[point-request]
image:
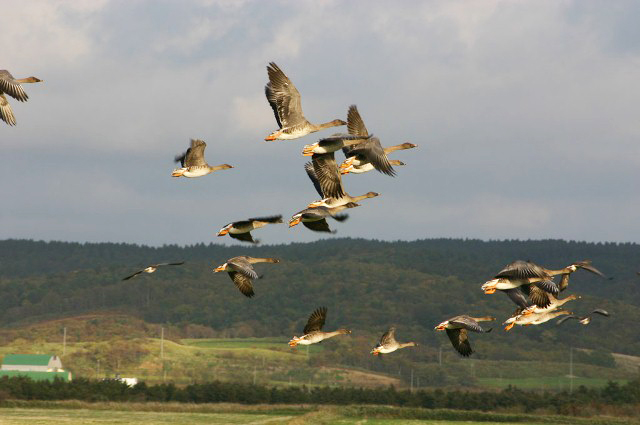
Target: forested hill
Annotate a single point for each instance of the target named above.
(367, 285)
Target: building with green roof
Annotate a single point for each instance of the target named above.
(34, 366)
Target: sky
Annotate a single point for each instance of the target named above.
(525, 114)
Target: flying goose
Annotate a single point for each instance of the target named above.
(388, 343)
(13, 88)
(533, 319)
(554, 303)
(457, 329)
(315, 218)
(241, 230)
(330, 180)
(532, 280)
(585, 320)
(370, 150)
(333, 143)
(241, 271)
(358, 164)
(193, 163)
(313, 329)
(284, 99)
(152, 268)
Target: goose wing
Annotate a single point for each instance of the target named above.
(243, 283)
(133, 275)
(316, 320)
(586, 265)
(11, 87)
(372, 150)
(195, 154)
(308, 167)
(389, 337)
(242, 266)
(537, 296)
(467, 323)
(283, 97)
(516, 295)
(6, 113)
(355, 124)
(168, 264)
(269, 219)
(246, 237)
(326, 171)
(318, 226)
(460, 341)
(521, 270)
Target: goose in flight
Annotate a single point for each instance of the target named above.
(329, 182)
(241, 230)
(388, 343)
(313, 333)
(12, 87)
(585, 320)
(152, 268)
(369, 150)
(241, 271)
(193, 164)
(522, 279)
(533, 318)
(457, 330)
(284, 99)
(333, 143)
(316, 218)
(358, 163)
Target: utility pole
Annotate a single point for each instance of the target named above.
(162, 343)
(64, 341)
(254, 374)
(411, 388)
(98, 369)
(440, 356)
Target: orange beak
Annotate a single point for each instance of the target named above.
(218, 269)
(223, 232)
(294, 221)
(509, 326)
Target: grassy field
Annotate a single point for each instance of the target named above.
(546, 383)
(76, 413)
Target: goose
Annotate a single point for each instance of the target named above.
(316, 218)
(369, 150)
(193, 163)
(457, 328)
(333, 143)
(152, 268)
(358, 164)
(241, 271)
(313, 329)
(533, 319)
(585, 320)
(365, 167)
(241, 230)
(284, 99)
(533, 280)
(388, 343)
(13, 88)
(330, 179)
(554, 303)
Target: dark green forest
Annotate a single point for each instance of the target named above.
(367, 286)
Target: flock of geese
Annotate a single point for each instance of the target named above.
(530, 286)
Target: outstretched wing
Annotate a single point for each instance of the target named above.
(521, 270)
(327, 173)
(133, 275)
(269, 219)
(195, 154)
(316, 320)
(460, 341)
(468, 323)
(372, 150)
(283, 98)
(516, 295)
(389, 337)
(243, 283)
(318, 226)
(308, 167)
(6, 113)
(246, 237)
(11, 87)
(355, 124)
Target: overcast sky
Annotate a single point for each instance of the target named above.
(526, 114)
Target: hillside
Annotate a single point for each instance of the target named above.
(367, 286)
